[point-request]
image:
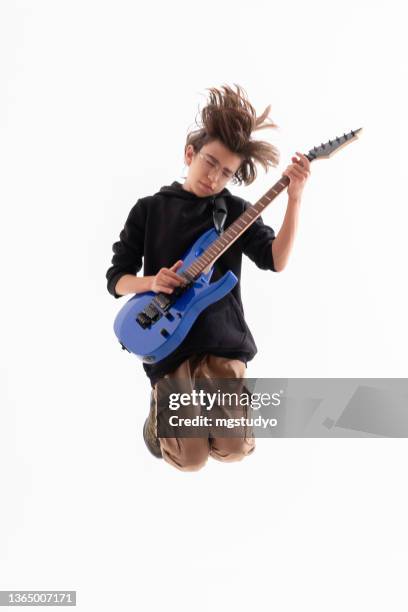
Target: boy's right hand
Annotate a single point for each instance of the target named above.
(166, 279)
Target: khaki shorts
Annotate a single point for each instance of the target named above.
(191, 454)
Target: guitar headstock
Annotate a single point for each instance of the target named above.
(328, 149)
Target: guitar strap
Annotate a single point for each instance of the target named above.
(219, 214)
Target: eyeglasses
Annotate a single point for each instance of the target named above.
(214, 166)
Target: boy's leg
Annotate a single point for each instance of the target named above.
(186, 454)
(190, 454)
(150, 429)
(228, 448)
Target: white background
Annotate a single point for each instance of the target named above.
(96, 100)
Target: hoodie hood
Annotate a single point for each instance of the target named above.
(176, 189)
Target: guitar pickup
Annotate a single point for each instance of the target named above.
(143, 320)
(163, 300)
(152, 312)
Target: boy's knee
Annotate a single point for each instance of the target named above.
(232, 449)
(192, 464)
(187, 457)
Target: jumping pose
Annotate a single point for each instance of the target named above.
(161, 227)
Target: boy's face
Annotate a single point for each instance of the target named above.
(210, 169)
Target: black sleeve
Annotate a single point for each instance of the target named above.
(257, 243)
(128, 251)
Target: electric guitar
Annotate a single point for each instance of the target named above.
(152, 325)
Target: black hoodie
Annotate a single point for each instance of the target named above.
(158, 231)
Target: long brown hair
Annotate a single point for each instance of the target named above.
(231, 118)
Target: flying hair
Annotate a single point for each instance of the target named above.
(230, 118)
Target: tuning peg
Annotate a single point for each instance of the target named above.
(322, 146)
(330, 142)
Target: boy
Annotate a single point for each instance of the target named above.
(160, 228)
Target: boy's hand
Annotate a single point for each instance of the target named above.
(166, 279)
(298, 173)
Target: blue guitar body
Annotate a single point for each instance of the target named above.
(153, 341)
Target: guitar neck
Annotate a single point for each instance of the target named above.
(235, 230)
(251, 214)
